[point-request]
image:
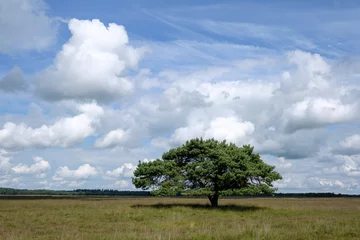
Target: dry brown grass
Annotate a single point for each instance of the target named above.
(173, 218)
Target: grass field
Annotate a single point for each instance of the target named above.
(172, 218)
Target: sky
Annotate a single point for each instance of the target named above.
(88, 88)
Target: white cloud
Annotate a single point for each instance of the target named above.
(289, 182)
(334, 185)
(230, 129)
(351, 145)
(283, 163)
(306, 97)
(74, 184)
(9, 181)
(183, 134)
(92, 65)
(221, 128)
(5, 160)
(25, 26)
(13, 81)
(121, 183)
(147, 160)
(112, 139)
(348, 165)
(145, 81)
(125, 170)
(317, 112)
(93, 110)
(284, 114)
(44, 183)
(83, 172)
(312, 66)
(160, 142)
(64, 132)
(39, 168)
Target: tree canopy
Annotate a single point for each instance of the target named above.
(207, 168)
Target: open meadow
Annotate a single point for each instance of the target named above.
(180, 218)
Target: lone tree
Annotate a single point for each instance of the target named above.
(207, 168)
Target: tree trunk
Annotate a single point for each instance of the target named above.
(214, 200)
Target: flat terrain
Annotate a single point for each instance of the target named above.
(172, 218)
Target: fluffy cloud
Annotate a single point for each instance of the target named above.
(121, 183)
(346, 165)
(39, 167)
(285, 117)
(64, 132)
(83, 172)
(5, 159)
(313, 72)
(25, 26)
(300, 144)
(73, 184)
(317, 112)
(112, 139)
(13, 81)
(349, 146)
(9, 181)
(125, 170)
(306, 97)
(92, 65)
(230, 129)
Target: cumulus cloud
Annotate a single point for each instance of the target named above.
(83, 172)
(64, 132)
(13, 81)
(230, 128)
(9, 181)
(285, 115)
(125, 170)
(313, 72)
(112, 139)
(283, 163)
(160, 142)
(316, 182)
(346, 165)
(24, 25)
(317, 112)
(307, 98)
(74, 184)
(93, 64)
(5, 160)
(349, 146)
(39, 167)
(121, 183)
(300, 144)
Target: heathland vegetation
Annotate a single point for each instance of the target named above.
(180, 218)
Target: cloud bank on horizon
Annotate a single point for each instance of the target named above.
(88, 90)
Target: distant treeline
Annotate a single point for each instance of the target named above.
(111, 192)
(314, 195)
(77, 192)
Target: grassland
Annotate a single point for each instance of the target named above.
(167, 218)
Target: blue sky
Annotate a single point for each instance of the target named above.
(87, 89)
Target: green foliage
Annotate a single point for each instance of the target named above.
(207, 168)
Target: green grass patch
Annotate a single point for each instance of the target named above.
(174, 218)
